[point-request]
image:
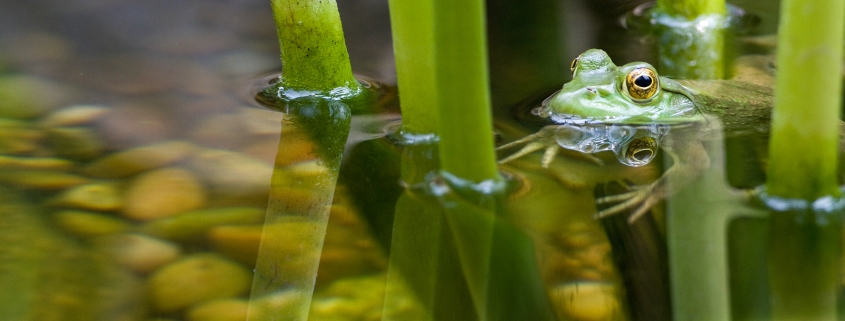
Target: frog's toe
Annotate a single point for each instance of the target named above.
(527, 149)
(639, 201)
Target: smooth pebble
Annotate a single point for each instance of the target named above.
(162, 193)
(73, 115)
(587, 301)
(94, 196)
(132, 161)
(140, 253)
(193, 226)
(219, 310)
(194, 279)
(89, 224)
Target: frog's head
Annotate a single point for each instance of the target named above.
(601, 92)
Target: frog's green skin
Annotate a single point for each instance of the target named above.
(599, 94)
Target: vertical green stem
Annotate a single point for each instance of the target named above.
(412, 24)
(313, 49)
(317, 90)
(691, 9)
(805, 243)
(690, 38)
(463, 95)
(805, 122)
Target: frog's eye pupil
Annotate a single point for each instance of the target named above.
(641, 84)
(643, 81)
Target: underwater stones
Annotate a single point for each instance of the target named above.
(81, 143)
(219, 310)
(587, 301)
(194, 279)
(93, 196)
(23, 162)
(27, 97)
(140, 253)
(132, 161)
(18, 137)
(163, 192)
(89, 224)
(220, 131)
(233, 176)
(237, 242)
(41, 179)
(73, 115)
(358, 298)
(193, 226)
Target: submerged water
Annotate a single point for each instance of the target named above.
(140, 181)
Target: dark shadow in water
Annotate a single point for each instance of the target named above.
(639, 251)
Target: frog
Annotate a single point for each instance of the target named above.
(630, 110)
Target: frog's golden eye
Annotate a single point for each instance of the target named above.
(574, 64)
(641, 83)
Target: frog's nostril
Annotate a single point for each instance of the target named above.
(591, 92)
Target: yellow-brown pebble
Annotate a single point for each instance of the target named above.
(195, 279)
(587, 301)
(194, 225)
(41, 179)
(95, 196)
(89, 224)
(162, 193)
(139, 159)
(219, 310)
(140, 253)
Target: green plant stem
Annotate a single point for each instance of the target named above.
(690, 38)
(313, 49)
(691, 9)
(463, 95)
(318, 92)
(805, 243)
(412, 25)
(804, 264)
(696, 235)
(805, 121)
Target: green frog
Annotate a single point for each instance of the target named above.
(630, 111)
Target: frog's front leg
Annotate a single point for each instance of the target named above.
(543, 139)
(689, 161)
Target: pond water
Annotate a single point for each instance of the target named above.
(138, 176)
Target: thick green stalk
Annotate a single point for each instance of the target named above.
(412, 25)
(697, 241)
(690, 38)
(463, 95)
(313, 50)
(805, 122)
(805, 243)
(691, 9)
(318, 92)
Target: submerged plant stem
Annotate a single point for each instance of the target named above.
(805, 243)
(805, 121)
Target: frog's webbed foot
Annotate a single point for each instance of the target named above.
(640, 199)
(543, 139)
